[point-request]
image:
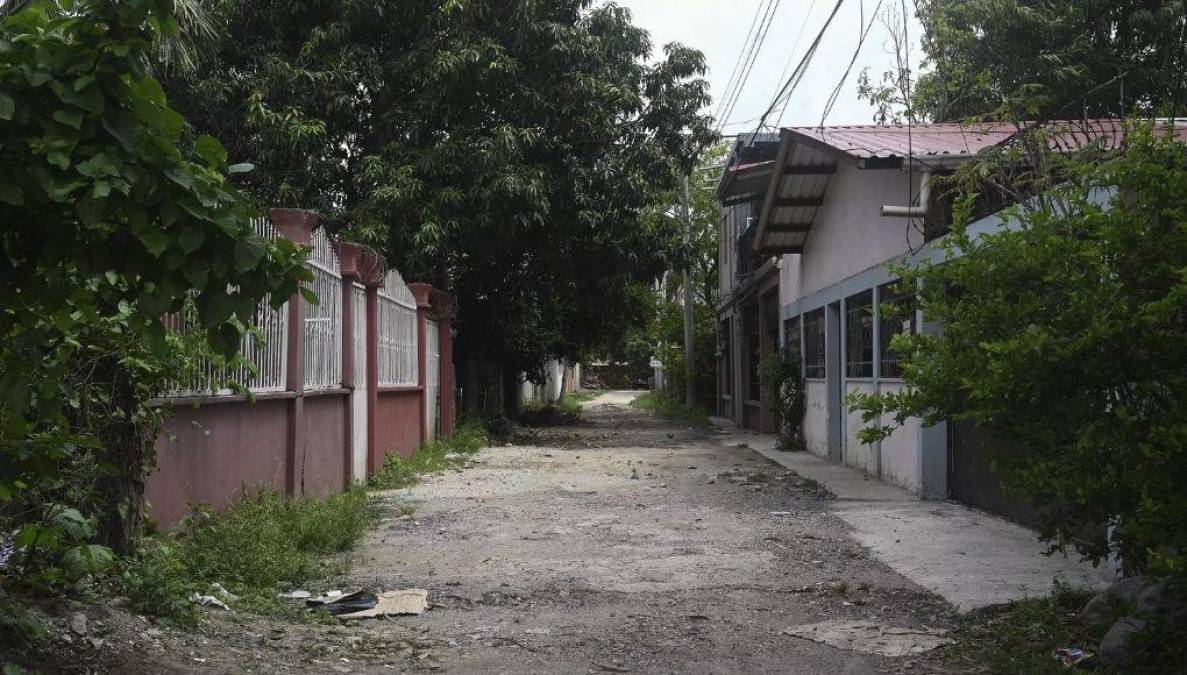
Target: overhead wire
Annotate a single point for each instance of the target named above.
(832, 99)
(737, 64)
(785, 92)
(791, 54)
(752, 58)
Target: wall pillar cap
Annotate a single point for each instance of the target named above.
(295, 224)
(423, 293)
(359, 263)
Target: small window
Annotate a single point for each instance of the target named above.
(896, 314)
(814, 344)
(859, 335)
(792, 340)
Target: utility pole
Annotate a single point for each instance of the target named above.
(690, 389)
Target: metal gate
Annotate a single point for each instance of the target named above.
(358, 398)
(971, 479)
(432, 379)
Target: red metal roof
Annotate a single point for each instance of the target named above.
(950, 138)
(953, 139)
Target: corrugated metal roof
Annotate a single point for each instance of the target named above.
(952, 139)
(869, 141)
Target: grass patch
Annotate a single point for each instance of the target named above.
(1020, 637)
(257, 546)
(434, 457)
(670, 408)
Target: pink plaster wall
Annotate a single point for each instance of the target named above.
(215, 451)
(324, 464)
(397, 423)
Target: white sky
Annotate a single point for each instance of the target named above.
(719, 27)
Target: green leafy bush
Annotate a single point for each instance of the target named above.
(1066, 337)
(783, 383)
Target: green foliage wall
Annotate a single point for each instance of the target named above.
(114, 215)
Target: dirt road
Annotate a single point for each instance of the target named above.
(629, 544)
(622, 544)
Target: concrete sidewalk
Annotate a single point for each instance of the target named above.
(968, 557)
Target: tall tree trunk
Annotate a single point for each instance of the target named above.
(564, 380)
(124, 456)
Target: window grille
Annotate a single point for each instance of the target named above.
(814, 351)
(793, 343)
(896, 314)
(727, 358)
(859, 335)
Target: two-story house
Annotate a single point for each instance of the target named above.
(748, 309)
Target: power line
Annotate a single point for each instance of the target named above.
(793, 81)
(752, 57)
(832, 99)
(737, 64)
(791, 55)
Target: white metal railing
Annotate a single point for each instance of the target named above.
(323, 321)
(397, 339)
(264, 347)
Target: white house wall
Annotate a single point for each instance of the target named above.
(855, 453)
(900, 451)
(849, 238)
(816, 417)
(849, 234)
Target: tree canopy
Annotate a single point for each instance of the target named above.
(1022, 59)
(504, 150)
(113, 216)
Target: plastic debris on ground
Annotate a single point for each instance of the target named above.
(409, 602)
(217, 590)
(208, 601)
(871, 638)
(1071, 657)
(295, 595)
(336, 603)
